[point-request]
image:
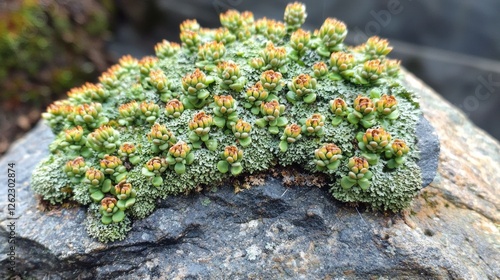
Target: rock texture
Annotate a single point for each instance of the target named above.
(277, 232)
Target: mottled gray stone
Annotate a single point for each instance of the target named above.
(277, 232)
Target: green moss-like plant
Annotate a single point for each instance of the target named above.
(234, 100)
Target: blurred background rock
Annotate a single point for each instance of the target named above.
(454, 46)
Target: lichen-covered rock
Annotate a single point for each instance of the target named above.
(220, 105)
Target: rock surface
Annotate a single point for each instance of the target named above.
(451, 230)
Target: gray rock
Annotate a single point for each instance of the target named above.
(278, 232)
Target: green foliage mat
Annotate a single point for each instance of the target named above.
(236, 100)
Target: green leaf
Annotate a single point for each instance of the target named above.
(274, 130)
(255, 110)
(193, 137)
(219, 122)
(310, 98)
(347, 182)
(121, 204)
(334, 165)
(245, 142)
(291, 97)
(283, 146)
(135, 160)
(146, 172)
(223, 166)
(129, 202)
(189, 158)
(97, 196)
(352, 118)
(157, 181)
(118, 216)
(364, 183)
(261, 122)
(399, 160)
(180, 168)
(282, 121)
(235, 170)
(106, 220)
(211, 144)
(121, 177)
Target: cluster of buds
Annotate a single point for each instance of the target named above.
(274, 57)
(364, 112)
(271, 80)
(146, 64)
(180, 155)
(320, 69)
(342, 64)
(392, 67)
(254, 96)
(295, 16)
(232, 20)
(291, 134)
(166, 49)
(375, 48)
(231, 77)
(191, 40)
(327, 157)
(261, 25)
(371, 72)
(209, 54)
(271, 112)
(331, 35)
(299, 41)
(128, 151)
(240, 25)
(313, 126)
(125, 194)
(109, 79)
(174, 108)
(88, 92)
(135, 92)
(200, 127)
(110, 212)
(338, 107)
(149, 112)
(98, 184)
(387, 106)
(88, 115)
(124, 191)
(302, 87)
(396, 153)
(75, 169)
(154, 168)
(241, 131)
(223, 35)
(74, 140)
(161, 137)
(128, 113)
(373, 142)
(275, 31)
(359, 174)
(105, 140)
(231, 160)
(112, 165)
(160, 82)
(57, 113)
(190, 25)
(225, 111)
(194, 85)
(128, 63)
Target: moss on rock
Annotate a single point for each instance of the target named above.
(265, 76)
